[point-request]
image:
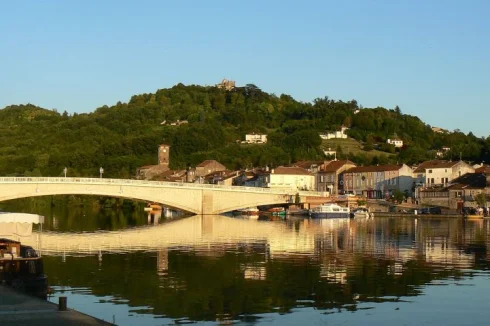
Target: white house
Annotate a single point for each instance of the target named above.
(336, 134)
(396, 142)
(255, 139)
(295, 178)
(438, 172)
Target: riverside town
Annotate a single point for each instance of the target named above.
(244, 163)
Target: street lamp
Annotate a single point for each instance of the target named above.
(101, 170)
(65, 170)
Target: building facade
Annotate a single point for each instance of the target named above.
(398, 143)
(255, 139)
(440, 173)
(330, 178)
(207, 167)
(378, 181)
(294, 178)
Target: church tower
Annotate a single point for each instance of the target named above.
(164, 155)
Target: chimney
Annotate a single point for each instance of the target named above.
(272, 171)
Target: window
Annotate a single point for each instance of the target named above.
(430, 171)
(432, 180)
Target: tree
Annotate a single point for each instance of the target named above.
(398, 196)
(481, 199)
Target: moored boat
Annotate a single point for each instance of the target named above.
(277, 211)
(249, 211)
(361, 212)
(329, 210)
(21, 266)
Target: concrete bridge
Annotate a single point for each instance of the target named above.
(190, 197)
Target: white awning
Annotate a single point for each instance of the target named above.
(20, 218)
(18, 224)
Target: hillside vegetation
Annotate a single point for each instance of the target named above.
(35, 141)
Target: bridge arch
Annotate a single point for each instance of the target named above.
(193, 198)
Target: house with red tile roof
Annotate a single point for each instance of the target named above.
(460, 193)
(330, 177)
(208, 166)
(378, 181)
(440, 172)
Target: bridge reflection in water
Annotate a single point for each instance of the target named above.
(221, 268)
(448, 242)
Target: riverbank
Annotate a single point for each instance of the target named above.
(21, 309)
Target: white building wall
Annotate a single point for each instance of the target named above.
(291, 181)
(255, 138)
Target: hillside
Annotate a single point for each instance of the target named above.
(351, 146)
(122, 137)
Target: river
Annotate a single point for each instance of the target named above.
(134, 270)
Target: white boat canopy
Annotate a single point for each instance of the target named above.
(21, 218)
(18, 224)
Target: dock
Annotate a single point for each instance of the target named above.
(21, 309)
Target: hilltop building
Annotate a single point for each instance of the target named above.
(340, 134)
(398, 143)
(226, 84)
(439, 130)
(255, 139)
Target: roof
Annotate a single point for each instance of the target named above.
(375, 168)
(483, 169)
(334, 166)
(293, 170)
(469, 180)
(435, 164)
(206, 162)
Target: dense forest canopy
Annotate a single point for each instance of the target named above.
(39, 142)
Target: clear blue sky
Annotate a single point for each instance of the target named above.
(432, 58)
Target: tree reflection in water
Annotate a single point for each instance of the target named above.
(351, 262)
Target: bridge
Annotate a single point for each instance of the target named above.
(194, 198)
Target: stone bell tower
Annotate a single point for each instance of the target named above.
(164, 155)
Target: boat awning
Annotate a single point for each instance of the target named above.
(18, 224)
(21, 218)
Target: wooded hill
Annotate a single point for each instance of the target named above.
(40, 142)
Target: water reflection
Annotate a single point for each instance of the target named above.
(221, 268)
(140, 265)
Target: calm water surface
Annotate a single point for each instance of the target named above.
(217, 269)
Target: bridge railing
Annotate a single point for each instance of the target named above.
(122, 182)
